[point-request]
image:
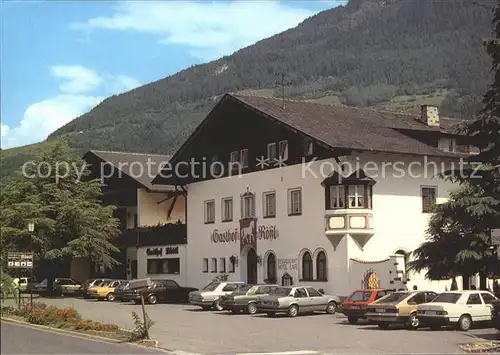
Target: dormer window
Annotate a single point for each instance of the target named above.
(447, 144)
(283, 150)
(354, 191)
(308, 147)
(271, 151)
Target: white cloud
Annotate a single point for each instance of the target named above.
(78, 79)
(81, 89)
(210, 29)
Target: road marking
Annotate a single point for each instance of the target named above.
(299, 352)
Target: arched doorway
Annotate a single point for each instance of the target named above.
(252, 267)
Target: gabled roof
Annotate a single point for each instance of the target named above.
(351, 127)
(142, 168)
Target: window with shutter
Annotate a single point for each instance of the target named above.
(247, 205)
(428, 199)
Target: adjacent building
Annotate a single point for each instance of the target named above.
(303, 193)
(152, 217)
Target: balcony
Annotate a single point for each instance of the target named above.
(166, 234)
(356, 223)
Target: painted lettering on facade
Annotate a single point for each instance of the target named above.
(287, 264)
(235, 235)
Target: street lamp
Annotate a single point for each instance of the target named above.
(31, 229)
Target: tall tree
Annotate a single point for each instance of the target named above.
(70, 220)
(458, 237)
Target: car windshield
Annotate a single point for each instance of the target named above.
(447, 297)
(211, 286)
(395, 297)
(282, 291)
(360, 296)
(251, 290)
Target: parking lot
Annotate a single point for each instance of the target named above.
(187, 328)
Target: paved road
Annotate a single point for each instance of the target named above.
(186, 328)
(17, 339)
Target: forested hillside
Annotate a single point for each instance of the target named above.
(395, 54)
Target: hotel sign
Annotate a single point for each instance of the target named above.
(287, 264)
(242, 234)
(20, 260)
(159, 251)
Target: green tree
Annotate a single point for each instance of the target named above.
(55, 193)
(458, 237)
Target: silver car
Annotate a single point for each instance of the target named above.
(296, 300)
(209, 296)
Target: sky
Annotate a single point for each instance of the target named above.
(61, 58)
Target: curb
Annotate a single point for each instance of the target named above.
(82, 335)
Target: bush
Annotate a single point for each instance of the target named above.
(91, 325)
(141, 329)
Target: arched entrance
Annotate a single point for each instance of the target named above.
(252, 267)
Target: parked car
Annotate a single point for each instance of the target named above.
(160, 291)
(296, 300)
(354, 306)
(120, 291)
(246, 298)
(61, 286)
(398, 308)
(90, 283)
(458, 308)
(209, 296)
(105, 290)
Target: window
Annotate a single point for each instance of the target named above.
(321, 266)
(487, 298)
(447, 144)
(171, 284)
(473, 150)
(419, 298)
(380, 294)
(474, 299)
(205, 264)
(248, 205)
(216, 167)
(447, 298)
(300, 293)
(230, 287)
(214, 265)
(308, 146)
(271, 268)
(356, 196)
(313, 293)
(227, 209)
(222, 264)
(234, 157)
(210, 211)
(307, 267)
(269, 204)
(337, 197)
(164, 266)
(429, 296)
(244, 158)
(360, 296)
(231, 266)
(271, 151)
(294, 202)
(283, 153)
(428, 199)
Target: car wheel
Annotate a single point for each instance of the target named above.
(352, 320)
(152, 299)
(464, 323)
(252, 308)
(271, 314)
(383, 325)
(413, 321)
(110, 296)
(217, 306)
(331, 307)
(293, 310)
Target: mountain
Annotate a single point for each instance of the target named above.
(391, 54)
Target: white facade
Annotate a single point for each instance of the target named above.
(397, 217)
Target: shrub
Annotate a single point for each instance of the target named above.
(141, 329)
(91, 325)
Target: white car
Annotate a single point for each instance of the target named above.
(459, 308)
(209, 296)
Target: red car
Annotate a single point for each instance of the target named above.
(354, 307)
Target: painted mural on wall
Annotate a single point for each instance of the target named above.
(370, 280)
(248, 233)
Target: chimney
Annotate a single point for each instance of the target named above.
(430, 115)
